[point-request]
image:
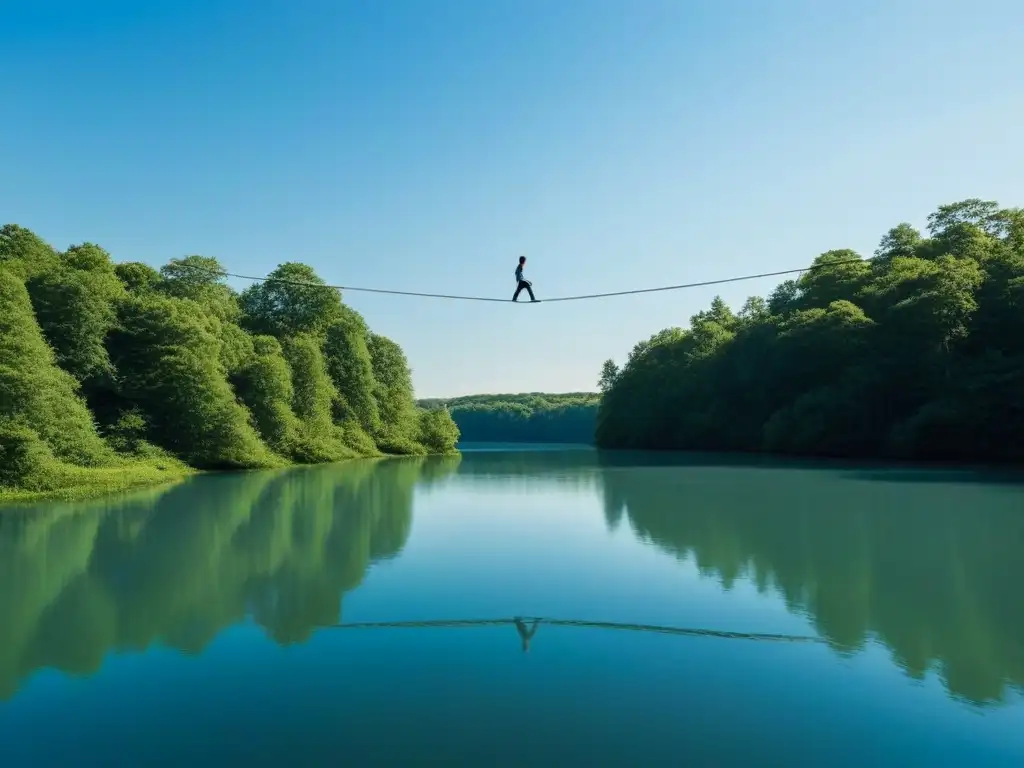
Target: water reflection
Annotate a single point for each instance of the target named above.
(568, 468)
(179, 565)
(929, 563)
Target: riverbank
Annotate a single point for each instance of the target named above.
(108, 370)
(66, 482)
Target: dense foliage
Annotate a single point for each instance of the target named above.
(916, 353)
(530, 418)
(123, 370)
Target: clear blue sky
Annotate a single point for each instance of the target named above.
(425, 144)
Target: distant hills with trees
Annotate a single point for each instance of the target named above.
(531, 417)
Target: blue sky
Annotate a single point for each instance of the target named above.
(424, 144)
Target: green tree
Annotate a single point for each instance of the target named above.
(974, 211)
(120, 368)
(169, 361)
(137, 277)
(200, 278)
(74, 302)
(292, 300)
(312, 401)
(755, 310)
(347, 352)
(902, 241)
(37, 396)
(609, 372)
(834, 276)
(916, 353)
(438, 433)
(265, 387)
(23, 252)
(394, 396)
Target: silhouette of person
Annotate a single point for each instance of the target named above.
(522, 282)
(526, 634)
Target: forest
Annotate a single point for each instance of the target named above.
(534, 417)
(916, 353)
(115, 375)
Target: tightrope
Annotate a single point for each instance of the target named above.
(652, 628)
(681, 286)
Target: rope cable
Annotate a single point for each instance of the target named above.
(681, 286)
(653, 628)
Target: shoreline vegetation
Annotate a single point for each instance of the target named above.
(115, 376)
(916, 354)
(85, 483)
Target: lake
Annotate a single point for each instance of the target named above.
(673, 610)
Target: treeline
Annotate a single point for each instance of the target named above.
(114, 373)
(534, 417)
(79, 581)
(900, 557)
(915, 353)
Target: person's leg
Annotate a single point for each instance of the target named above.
(519, 288)
(529, 287)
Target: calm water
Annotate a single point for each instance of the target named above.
(245, 617)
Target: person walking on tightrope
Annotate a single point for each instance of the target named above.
(522, 282)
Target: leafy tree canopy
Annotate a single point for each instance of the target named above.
(917, 352)
(126, 367)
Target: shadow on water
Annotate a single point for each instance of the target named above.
(178, 565)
